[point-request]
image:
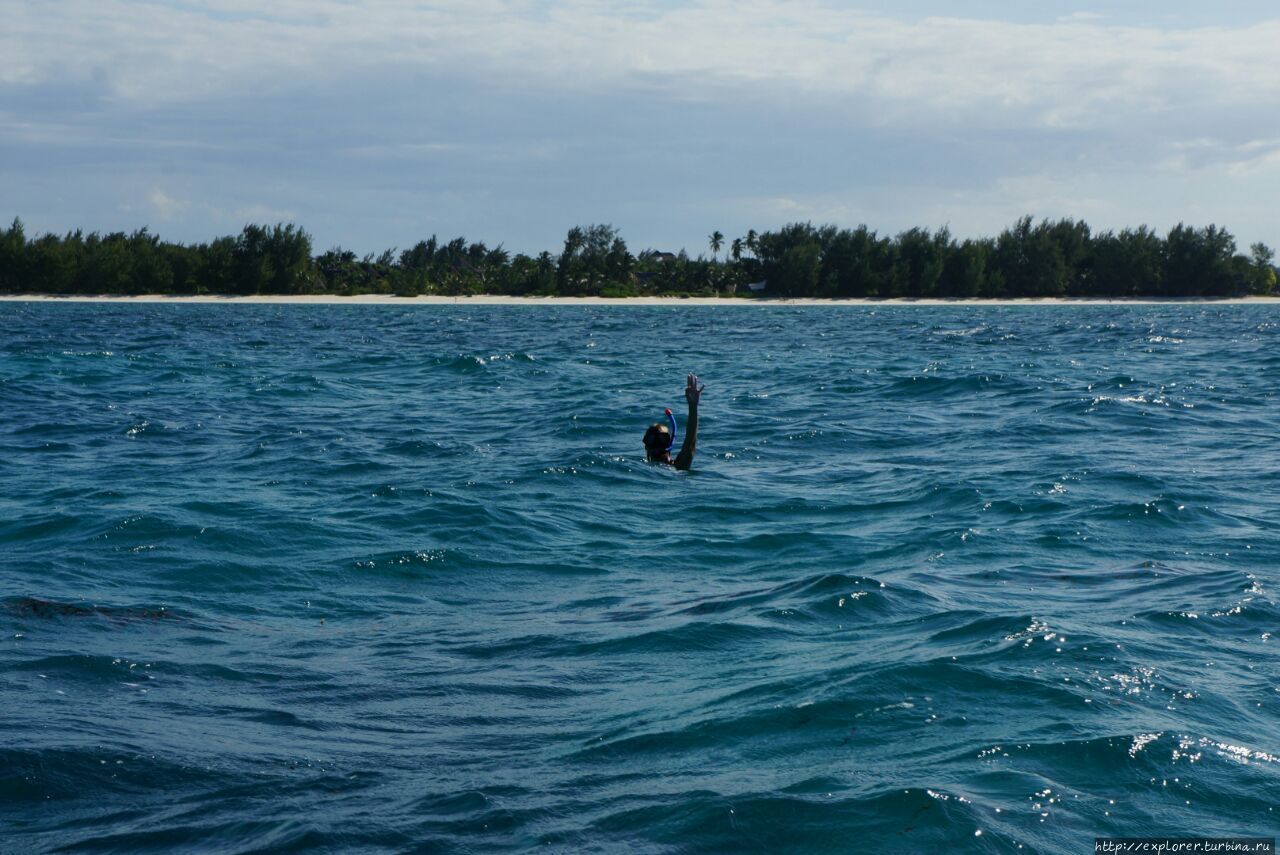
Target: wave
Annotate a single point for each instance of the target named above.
(936, 572)
(456, 561)
(42, 609)
(35, 776)
(933, 387)
(910, 819)
(469, 363)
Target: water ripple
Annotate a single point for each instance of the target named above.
(356, 578)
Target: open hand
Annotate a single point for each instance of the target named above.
(692, 391)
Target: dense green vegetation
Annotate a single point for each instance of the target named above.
(1062, 258)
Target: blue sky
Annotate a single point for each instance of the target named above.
(375, 125)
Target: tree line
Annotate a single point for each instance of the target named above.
(1050, 258)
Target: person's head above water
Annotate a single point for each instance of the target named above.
(657, 443)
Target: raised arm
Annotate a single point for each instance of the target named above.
(692, 393)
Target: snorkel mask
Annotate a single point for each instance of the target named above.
(655, 443)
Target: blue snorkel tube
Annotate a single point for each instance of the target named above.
(671, 423)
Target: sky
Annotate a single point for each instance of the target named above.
(374, 125)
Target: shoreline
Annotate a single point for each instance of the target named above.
(501, 300)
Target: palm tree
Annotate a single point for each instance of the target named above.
(735, 249)
(752, 242)
(717, 241)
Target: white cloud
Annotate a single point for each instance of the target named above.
(1082, 16)
(165, 206)
(1210, 154)
(503, 116)
(1076, 72)
(1112, 200)
(815, 208)
(260, 213)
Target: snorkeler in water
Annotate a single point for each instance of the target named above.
(660, 438)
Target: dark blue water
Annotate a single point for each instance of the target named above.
(397, 579)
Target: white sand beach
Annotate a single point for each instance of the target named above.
(501, 300)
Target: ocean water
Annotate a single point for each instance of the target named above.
(398, 579)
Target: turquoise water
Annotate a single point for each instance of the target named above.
(343, 578)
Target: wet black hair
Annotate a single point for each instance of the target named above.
(658, 439)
